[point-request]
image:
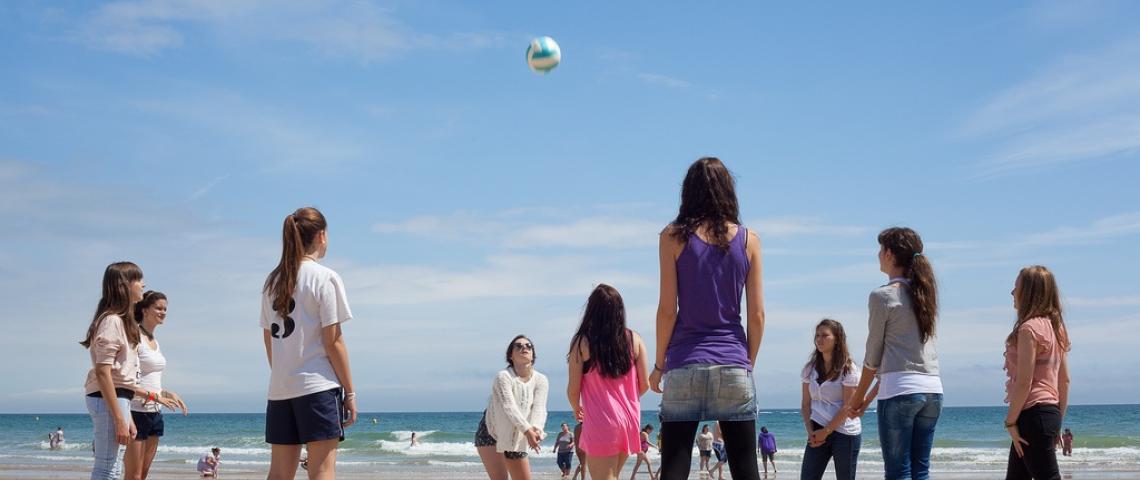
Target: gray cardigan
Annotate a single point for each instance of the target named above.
(893, 340)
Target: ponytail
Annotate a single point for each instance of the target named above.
(297, 235)
(907, 248)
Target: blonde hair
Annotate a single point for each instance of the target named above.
(1037, 295)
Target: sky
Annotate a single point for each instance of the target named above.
(470, 199)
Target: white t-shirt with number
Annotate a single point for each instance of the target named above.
(300, 364)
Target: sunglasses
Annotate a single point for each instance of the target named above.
(523, 346)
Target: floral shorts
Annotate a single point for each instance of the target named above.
(483, 438)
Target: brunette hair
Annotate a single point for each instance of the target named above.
(150, 298)
(841, 362)
(906, 246)
(1037, 295)
(511, 346)
(116, 300)
(297, 236)
(708, 198)
(603, 329)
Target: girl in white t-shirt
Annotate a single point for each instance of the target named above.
(830, 378)
(311, 397)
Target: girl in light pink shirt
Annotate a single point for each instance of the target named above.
(1036, 364)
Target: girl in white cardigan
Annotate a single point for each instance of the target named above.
(515, 416)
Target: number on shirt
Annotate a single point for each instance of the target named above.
(290, 325)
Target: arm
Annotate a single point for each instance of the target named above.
(839, 418)
(574, 382)
(642, 365)
(1063, 385)
(537, 417)
(268, 346)
(1026, 360)
(504, 396)
(338, 356)
(805, 409)
(876, 342)
(754, 295)
(668, 249)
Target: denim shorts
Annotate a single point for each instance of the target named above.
(703, 392)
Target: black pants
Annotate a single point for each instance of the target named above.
(1039, 425)
(677, 449)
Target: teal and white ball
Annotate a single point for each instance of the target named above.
(543, 54)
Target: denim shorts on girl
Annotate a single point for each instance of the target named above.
(703, 392)
(308, 418)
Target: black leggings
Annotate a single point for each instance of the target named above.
(1039, 425)
(677, 449)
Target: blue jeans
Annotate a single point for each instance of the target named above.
(107, 465)
(843, 448)
(906, 433)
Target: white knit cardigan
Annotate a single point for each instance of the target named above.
(516, 406)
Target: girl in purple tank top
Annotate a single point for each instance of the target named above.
(608, 374)
(705, 350)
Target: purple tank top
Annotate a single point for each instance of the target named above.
(710, 283)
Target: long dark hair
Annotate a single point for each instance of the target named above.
(906, 246)
(150, 298)
(841, 362)
(603, 329)
(1037, 295)
(297, 236)
(708, 199)
(116, 300)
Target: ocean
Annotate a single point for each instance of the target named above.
(968, 439)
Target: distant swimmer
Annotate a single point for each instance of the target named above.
(375, 421)
(55, 439)
(414, 440)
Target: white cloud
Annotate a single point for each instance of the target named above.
(1096, 302)
(589, 232)
(1081, 107)
(1100, 230)
(797, 226)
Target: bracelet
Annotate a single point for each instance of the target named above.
(150, 396)
(1010, 424)
(657, 369)
(350, 395)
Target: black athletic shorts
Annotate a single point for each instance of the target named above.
(148, 424)
(309, 418)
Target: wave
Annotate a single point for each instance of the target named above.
(406, 435)
(67, 446)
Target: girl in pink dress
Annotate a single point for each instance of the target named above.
(608, 375)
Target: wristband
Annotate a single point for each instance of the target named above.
(350, 395)
(657, 369)
(1010, 424)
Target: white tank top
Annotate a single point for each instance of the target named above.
(151, 365)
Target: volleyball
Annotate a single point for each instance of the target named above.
(543, 55)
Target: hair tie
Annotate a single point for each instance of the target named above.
(917, 254)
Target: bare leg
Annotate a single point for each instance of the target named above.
(133, 460)
(493, 462)
(606, 468)
(322, 459)
(149, 450)
(518, 468)
(283, 461)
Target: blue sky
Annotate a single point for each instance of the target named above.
(470, 199)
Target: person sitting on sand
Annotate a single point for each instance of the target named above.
(208, 464)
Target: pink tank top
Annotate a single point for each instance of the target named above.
(1043, 389)
(611, 418)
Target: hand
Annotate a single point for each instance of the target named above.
(533, 438)
(350, 407)
(176, 402)
(818, 437)
(1015, 435)
(655, 380)
(578, 413)
(124, 432)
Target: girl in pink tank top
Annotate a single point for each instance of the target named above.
(608, 374)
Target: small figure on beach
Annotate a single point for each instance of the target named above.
(55, 439)
(311, 398)
(208, 463)
(608, 374)
(564, 449)
(902, 352)
(643, 454)
(767, 443)
(1036, 365)
(581, 454)
(1067, 443)
(720, 452)
(704, 448)
(415, 441)
(515, 416)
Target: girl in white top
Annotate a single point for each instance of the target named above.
(150, 312)
(311, 396)
(515, 416)
(830, 378)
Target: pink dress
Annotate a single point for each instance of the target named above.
(611, 418)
